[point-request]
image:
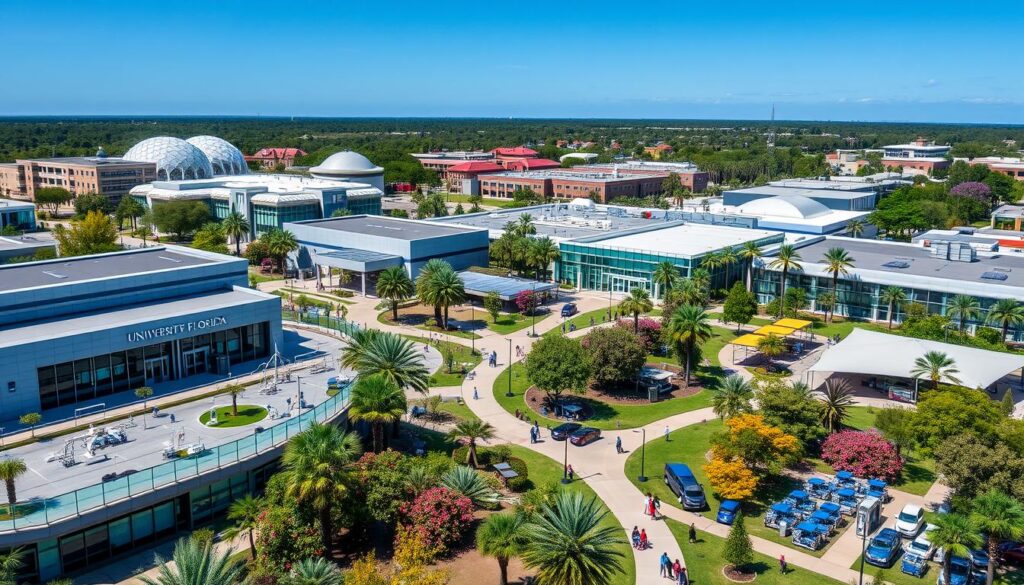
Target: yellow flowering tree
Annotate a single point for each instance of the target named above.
(731, 479)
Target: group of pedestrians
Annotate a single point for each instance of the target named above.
(652, 506)
(492, 359)
(675, 571)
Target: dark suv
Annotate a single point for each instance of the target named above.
(562, 431)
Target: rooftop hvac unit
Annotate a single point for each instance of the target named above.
(954, 251)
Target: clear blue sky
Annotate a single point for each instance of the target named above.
(938, 61)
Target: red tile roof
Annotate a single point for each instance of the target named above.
(514, 151)
(536, 163)
(278, 153)
(475, 167)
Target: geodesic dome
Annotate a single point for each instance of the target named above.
(224, 157)
(174, 158)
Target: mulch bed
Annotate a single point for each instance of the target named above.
(535, 397)
(730, 573)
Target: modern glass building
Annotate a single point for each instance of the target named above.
(626, 260)
(929, 274)
(20, 215)
(267, 201)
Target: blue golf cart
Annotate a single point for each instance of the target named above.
(801, 501)
(878, 489)
(847, 500)
(809, 535)
(914, 564)
(818, 489)
(727, 511)
(778, 514)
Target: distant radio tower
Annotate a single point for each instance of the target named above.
(771, 130)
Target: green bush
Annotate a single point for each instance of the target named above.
(342, 293)
(989, 335)
(522, 483)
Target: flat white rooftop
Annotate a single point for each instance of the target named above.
(687, 240)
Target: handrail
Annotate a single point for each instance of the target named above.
(35, 513)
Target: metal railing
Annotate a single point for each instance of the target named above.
(326, 321)
(54, 509)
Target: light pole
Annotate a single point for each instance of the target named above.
(643, 454)
(863, 546)
(533, 310)
(509, 371)
(565, 462)
(472, 318)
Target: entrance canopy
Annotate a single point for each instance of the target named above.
(356, 260)
(882, 354)
(479, 284)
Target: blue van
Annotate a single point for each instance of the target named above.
(683, 484)
(727, 511)
(569, 309)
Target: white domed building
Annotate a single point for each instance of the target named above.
(224, 157)
(351, 167)
(174, 158)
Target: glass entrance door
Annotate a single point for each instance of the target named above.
(624, 284)
(157, 370)
(195, 361)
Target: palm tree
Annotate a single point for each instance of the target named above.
(963, 308)
(280, 243)
(542, 252)
(10, 563)
(143, 231)
(524, 225)
(245, 513)
(236, 227)
(447, 289)
(665, 276)
(894, 297)
(195, 562)
(786, 259)
(379, 402)
(425, 285)
(636, 302)
(728, 257)
(801, 388)
(314, 572)
(771, 346)
(502, 536)
(370, 352)
(837, 261)
(235, 390)
(956, 536)
(688, 329)
(10, 471)
(473, 431)
(315, 463)
(749, 252)
(395, 285)
(837, 399)
(732, 397)
(855, 227)
(568, 544)
(1000, 517)
(469, 483)
(1006, 312)
(936, 365)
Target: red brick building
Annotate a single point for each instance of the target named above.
(532, 164)
(602, 187)
(689, 175)
(454, 175)
(503, 155)
(271, 157)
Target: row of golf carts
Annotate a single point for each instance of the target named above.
(813, 514)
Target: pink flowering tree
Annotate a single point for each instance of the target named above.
(649, 331)
(440, 515)
(527, 301)
(973, 190)
(864, 453)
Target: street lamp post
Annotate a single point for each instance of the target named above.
(863, 546)
(472, 318)
(565, 463)
(508, 372)
(643, 454)
(533, 310)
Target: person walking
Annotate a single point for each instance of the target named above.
(635, 537)
(693, 533)
(681, 577)
(657, 507)
(783, 565)
(618, 445)
(644, 543)
(651, 509)
(677, 568)
(476, 395)
(572, 473)
(666, 434)
(647, 504)
(666, 565)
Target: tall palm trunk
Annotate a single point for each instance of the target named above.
(378, 437)
(890, 315)
(782, 296)
(12, 495)
(835, 296)
(503, 567)
(325, 530)
(252, 545)
(1006, 329)
(471, 455)
(437, 315)
(689, 361)
(636, 323)
(238, 246)
(750, 276)
(446, 317)
(993, 550)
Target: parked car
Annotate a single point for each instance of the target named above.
(684, 485)
(584, 436)
(727, 511)
(1012, 553)
(910, 520)
(922, 546)
(959, 572)
(562, 431)
(569, 309)
(883, 548)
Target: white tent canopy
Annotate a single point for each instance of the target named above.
(881, 354)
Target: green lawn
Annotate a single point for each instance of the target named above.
(384, 317)
(704, 562)
(460, 198)
(458, 410)
(463, 355)
(896, 577)
(258, 277)
(690, 445)
(543, 469)
(606, 416)
(247, 415)
(582, 321)
(759, 321)
(512, 322)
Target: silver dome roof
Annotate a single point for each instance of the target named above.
(345, 163)
(223, 156)
(174, 158)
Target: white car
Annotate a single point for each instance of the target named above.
(910, 520)
(921, 545)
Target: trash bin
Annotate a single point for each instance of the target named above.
(653, 395)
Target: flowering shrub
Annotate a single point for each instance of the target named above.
(731, 478)
(527, 301)
(439, 516)
(649, 331)
(864, 453)
(972, 190)
(282, 539)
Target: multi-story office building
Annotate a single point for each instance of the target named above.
(268, 158)
(689, 175)
(267, 201)
(920, 156)
(108, 176)
(1009, 166)
(931, 272)
(568, 184)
